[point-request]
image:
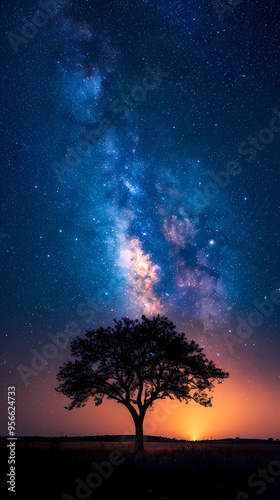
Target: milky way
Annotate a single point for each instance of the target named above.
(119, 122)
(162, 243)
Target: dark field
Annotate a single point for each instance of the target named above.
(166, 471)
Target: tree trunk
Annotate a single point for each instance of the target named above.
(139, 438)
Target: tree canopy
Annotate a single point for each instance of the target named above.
(136, 363)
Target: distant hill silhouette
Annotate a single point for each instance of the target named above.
(131, 437)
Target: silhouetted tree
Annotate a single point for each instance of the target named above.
(135, 363)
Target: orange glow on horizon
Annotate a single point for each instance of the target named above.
(238, 410)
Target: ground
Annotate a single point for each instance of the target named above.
(63, 470)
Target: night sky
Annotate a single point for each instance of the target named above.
(141, 176)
